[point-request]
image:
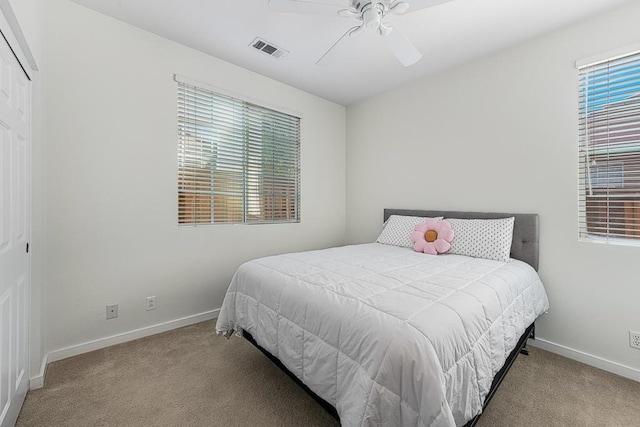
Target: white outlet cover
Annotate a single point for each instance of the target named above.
(634, 339)
(112, 311)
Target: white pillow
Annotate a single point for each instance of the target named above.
(482, 238)
(397, 230)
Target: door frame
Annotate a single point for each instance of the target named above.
(11, 31)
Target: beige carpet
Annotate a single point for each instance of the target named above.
(189, 377)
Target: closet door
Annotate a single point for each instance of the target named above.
(15, 101)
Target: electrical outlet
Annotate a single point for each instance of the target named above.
(151, 303)
(634, 339)
(112, 311)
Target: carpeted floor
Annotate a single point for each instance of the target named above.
(190, 377)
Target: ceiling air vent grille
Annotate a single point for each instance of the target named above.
(268, 48)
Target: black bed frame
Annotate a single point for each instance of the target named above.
(521, 347)
(524, 247)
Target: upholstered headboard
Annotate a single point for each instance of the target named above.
(525, 243)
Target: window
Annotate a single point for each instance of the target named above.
(237, 162)
(609, 113)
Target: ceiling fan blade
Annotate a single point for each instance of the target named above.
(307, 7)
(340, 46)
(419, 4)
(401, 47)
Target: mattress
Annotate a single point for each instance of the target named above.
(386, 335)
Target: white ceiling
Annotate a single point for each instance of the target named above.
(446, 35)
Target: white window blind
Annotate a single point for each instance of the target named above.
(237, 162)
(609, 134)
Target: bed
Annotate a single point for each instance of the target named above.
(389, 336)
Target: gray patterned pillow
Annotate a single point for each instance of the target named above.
(482, 238)
(397, 230)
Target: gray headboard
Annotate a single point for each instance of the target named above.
(525, 244)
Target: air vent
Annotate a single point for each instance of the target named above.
(268, 48)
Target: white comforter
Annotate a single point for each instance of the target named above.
(387, 335)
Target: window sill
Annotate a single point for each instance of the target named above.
(609, 241)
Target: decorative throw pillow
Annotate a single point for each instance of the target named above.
(482, 238)
(432, 236)
(397, 230)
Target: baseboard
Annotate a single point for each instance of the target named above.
(38, 381)
(587, 359)
(77, 349)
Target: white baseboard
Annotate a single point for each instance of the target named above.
(38, 381)
(86, 347)
(587, 359)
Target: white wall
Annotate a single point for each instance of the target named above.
(500, 134)
(111, 211)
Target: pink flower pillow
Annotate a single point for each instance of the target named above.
(432, 236)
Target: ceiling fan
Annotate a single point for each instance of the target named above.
(372, 15)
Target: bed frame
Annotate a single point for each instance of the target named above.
(524, 247)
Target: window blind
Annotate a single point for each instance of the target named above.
(237, 162)
(609, 154)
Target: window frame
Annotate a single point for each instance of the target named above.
(613, 216)
(251, 143)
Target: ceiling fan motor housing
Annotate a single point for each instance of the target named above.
(371, 12)
(372, 17)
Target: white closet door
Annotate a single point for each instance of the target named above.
(15, 114)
